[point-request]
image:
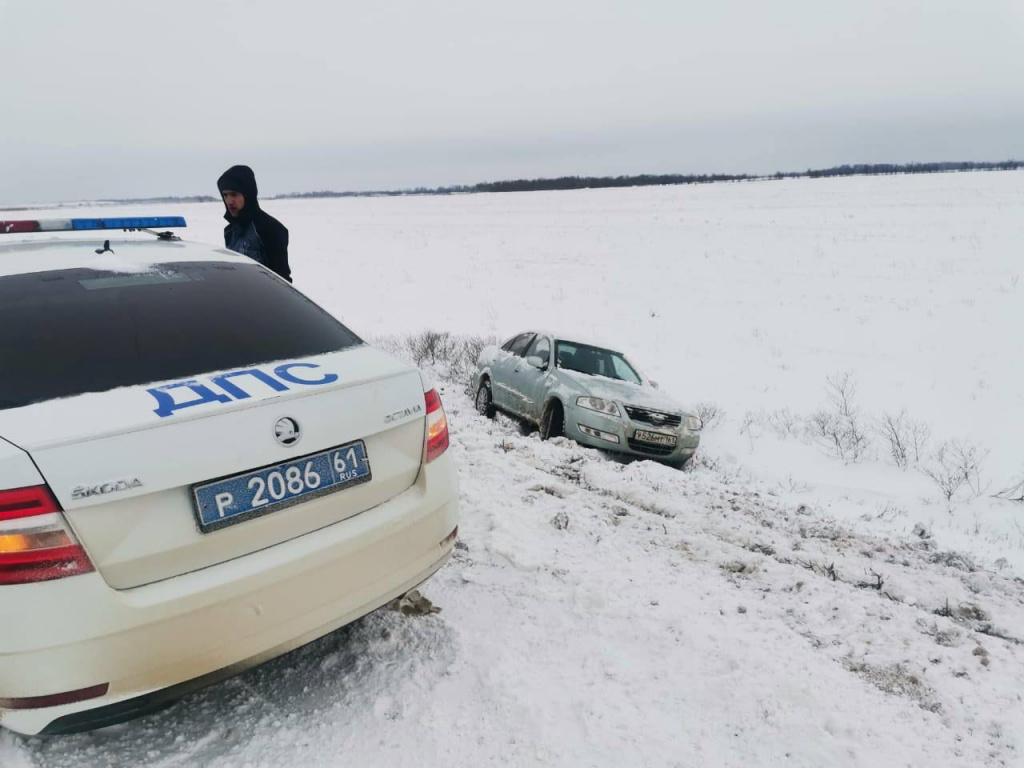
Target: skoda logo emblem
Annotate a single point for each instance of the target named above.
(287, 431)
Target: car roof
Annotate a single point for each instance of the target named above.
(125, 255)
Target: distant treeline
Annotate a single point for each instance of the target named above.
(648, 180)
(883, 169)
(598, 182)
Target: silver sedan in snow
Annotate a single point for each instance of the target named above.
(590, 394)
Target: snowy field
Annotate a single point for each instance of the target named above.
(795, 599)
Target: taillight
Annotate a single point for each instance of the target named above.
(437, 426)
(35, 541)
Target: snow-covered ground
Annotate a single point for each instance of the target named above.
(776, 605)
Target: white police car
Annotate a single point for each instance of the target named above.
(200, 469)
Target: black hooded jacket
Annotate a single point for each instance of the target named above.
(270, 245)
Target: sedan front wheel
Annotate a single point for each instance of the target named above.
(485, 400)
(552, 424)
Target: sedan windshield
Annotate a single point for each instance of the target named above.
(595, 361)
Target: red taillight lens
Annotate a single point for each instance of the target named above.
(26, 502)
(35, 541)
(437, 426)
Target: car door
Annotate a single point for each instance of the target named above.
(503, 373)
(532, 382)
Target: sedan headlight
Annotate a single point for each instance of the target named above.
(607, 407)
(694, 424)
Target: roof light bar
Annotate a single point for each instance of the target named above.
(88, 225)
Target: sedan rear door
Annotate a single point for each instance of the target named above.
(503, 373)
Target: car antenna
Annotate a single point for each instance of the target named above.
(168, 235)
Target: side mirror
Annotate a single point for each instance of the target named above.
(536, 362)
(654, 384)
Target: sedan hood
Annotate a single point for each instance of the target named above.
(642, 395)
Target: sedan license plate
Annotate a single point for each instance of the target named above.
(655, 438)
(235, 499)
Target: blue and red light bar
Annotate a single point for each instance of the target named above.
(88, 225)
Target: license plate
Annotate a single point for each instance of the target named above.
(231, 500)
(655, 438)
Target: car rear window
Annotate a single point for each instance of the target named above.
(68, 332)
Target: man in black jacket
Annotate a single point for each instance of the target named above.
(252, 231)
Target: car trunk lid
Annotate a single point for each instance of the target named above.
(123, 463)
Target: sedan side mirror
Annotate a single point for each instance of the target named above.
(536, 362)
(654, 384)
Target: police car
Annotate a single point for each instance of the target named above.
(200, 470)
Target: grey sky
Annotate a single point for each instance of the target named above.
(113, 98)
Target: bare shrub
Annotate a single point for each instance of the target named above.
(791, 485)
(893, 428)
(751, 419)
(429, 347)
(945, 473)
(839, 426)
(919, 434)
(842, 438)
(784, 423)
(1014, 492)
(451, 356)
(841, 391)
(907, 438)
(463, 365)
(956, 464)
(393, 345)
(702, 460)
(823, 424)
(857, 441)
(709, 413)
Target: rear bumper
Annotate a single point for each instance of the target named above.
(155, 643)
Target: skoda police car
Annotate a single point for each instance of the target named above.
(200, 469)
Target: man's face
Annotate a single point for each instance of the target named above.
(235, 201)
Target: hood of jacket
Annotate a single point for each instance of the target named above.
(240, 178)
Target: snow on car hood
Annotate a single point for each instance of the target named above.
(643, 395)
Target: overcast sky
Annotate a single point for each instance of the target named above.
(103, 99)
